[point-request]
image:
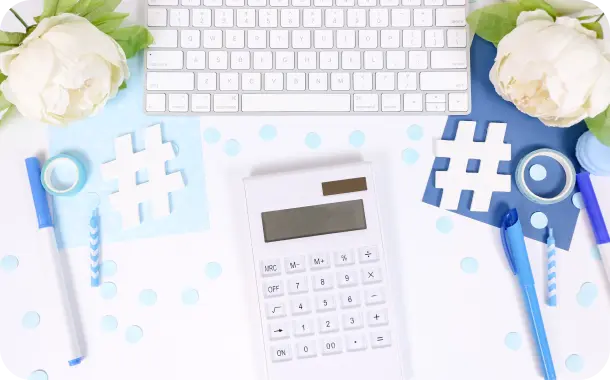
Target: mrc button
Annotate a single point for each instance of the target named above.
(271, 267)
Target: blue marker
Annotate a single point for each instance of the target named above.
(516, 253)
(47, 232)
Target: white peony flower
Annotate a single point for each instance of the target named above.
(568, 6)
(556, 71)
(66, 70)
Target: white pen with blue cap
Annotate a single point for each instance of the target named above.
(47, 232)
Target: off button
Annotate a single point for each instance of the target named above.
(273, 289)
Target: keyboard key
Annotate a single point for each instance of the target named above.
(413, 103)
(323, 282)
(323, 3)
(380, 339)
(345, 257)
(436, 98)
(303, 327)
(456, 2)
(295, 82)
(457, 38)
(435, 38)
(373, 60)
(296, 102)
(333, 18)
(363, 81)
(436, 107)
(275, 309)
(195, 60)
(234, 39)
(300, 306)
(301, 39)
(390, 39)
(206, 81)
(444, 81)
(306, 60)
(434, 3)
(281, 353)
(356, 18)
(355, 342)
(263, 60)
(319, 261)
(412, 38)
(164, 38)
(411, 3)
(423, 17)
(367, 3)
(418, 60)
(178, 103)
(200, 102)
(298, 284)
(366, 102)
(157, 17)
(284, 60)
(345, 3)
(458, 102)
(252, 82)
(162, 2)
(390, 102)
(190, 39)
(191, 3)
(374, 296)
(218, 60)
(407, 81)
(164, 60)
(346, 39)
(352, 321)
(257, 39)
(325, 303)
(350, 299)
(279, 330)
(212, 39)
(290, 18)
(396, 60)
(401, 17)
(328, 324)
(235, 3)
(202, 18)
(377, 318)
(339, 82)
(274, 81)
(449, 59)
(371, 275)
(278, 39)
(347, 278)
(318, 81)
(272, 288)
(329, 60)
(278, 3)
(257, 3)
(331, 346)
(179, 17)
(240, 60)
(229, 82)
(368, 254)
(155, 102)
(379, 18)
(312, 18)
(212, 3)
(384, 81)
(451, 17)
(350, 60)
(367, 39)
(306, 349)
(267, 18)
(246, 18)
(170, 81)
(323, 39)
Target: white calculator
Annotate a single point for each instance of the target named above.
(322, 275)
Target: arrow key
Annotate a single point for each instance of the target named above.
(279, 330)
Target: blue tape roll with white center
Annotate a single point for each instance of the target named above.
(63, 161)
(566, 164)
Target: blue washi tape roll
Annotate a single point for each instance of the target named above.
(565, 163)
(72, 164)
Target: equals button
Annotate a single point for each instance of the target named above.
(380, 339)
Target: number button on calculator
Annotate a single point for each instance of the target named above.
(323, 282)
(301, 306)
(297, 285)
(306, 349)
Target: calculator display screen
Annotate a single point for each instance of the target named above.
(315, 220)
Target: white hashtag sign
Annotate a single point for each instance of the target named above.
(124, 168)
(484, 182)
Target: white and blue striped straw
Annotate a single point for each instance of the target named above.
(552, 270)
(94, 248)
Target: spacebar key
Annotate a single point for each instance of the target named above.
(295, 103)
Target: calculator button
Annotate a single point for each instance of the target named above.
(352, 321)
(371, 275)
(374, 296)
(279, 330)
(275, 309)
(306, 350)
(319, 261)
(271, 267)
(303, 327)
(331, 346)
(295, 264)
(381, 339)
(350, 299)
(346, 257)
(281, 353)
(323, 282)
(325, 303)
(347, 278)
(298, 284)
(377, 317)
(273, 289)
(300, 306)
(368, 254)
(355, 342)
(328, 324)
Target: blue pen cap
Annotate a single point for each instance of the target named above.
(39, 195)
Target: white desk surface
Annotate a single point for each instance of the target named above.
(456, 322)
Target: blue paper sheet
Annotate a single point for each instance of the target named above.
(92, 141)
(525, 134)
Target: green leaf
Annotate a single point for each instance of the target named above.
(2, 77)
(95, 8)
(133, 39)
(532, 5)
(123, 86)
(596, 27)
(584, 18)
(10, 40)
(49, 9)
(64, 6)
(109, 22)
(494, 22)
(600, 126)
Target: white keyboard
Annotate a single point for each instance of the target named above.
(308, 56)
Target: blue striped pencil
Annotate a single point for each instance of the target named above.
(552, 270)
(94, 248)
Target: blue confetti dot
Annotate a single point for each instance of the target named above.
(211, 135)
(539, 220)
(470, 265)
(9, 263)
(575, 363)
(313, 140)
(444, 224)
(537, 172)
(109, 268)
(134, 334)
(513, 341)
(268, 132)
(415, 132)
(356, 139)
(109, 323)
(108, 290)
(410, 156)
(595, 253)
(38, 375)
(31, 320)
(232, 148)
(577, 201)
(148, 297)
(213, 270)
(587, 294)
(190, 297)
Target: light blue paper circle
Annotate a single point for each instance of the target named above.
(444, 224)
(539, 220)
(190, 297)
(513, 341)
(537, 172)
(575, 363)
(148, 297)
(357, 138)
(592, 155)
(108, 290)
(577, 201)
(109, 268)
(30, 320)
(211, 135)
(213, 270)
(38, 375)
(313, 140)
(410, 156)
(268, 132)
(415, 132)
(470, 265)
(587, 294)
(595, 254)
(232, 148)
(134, 334)
(9, 263)
(109, 323)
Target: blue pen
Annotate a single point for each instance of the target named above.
(47, 232)
(516, 253)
